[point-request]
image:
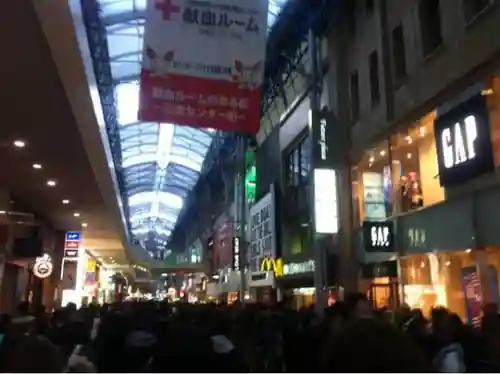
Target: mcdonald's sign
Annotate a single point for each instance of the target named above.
(272, 264)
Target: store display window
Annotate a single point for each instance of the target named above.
(399, 175)
(415, 173)
(448, 279)
(372, 184)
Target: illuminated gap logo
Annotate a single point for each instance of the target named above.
(458, 142)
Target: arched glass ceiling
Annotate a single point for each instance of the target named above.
(161, 162)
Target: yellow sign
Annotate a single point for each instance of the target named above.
(272, 264)
(91, 265)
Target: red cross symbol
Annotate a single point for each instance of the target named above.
(167, 8)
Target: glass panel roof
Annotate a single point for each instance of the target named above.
(161, 162)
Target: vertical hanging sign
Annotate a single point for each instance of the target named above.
(203, 63)
(236, 253)
(325, 178)
(72, 245)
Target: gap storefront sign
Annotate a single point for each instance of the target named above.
(378, 236)
(463, 142)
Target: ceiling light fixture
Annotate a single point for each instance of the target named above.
(51, 183)
(3, 212)
(19, 143)
(65, 201)
(37, 166)
(371, 159)
(76, 214)
(84, 224)
(382, 153)
(408, 156)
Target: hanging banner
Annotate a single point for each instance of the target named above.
(203, 63)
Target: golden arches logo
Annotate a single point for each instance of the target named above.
(272, 264)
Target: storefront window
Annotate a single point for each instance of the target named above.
(439, 279)
(400, 175)
(415, 176)
(372, 184)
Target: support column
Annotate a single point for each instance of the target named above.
(319, 255)
(52, 298)
(347, 268)
(240, 216)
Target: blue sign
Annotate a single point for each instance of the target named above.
(73, 235)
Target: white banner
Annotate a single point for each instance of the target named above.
(262, 230)
(203, 63)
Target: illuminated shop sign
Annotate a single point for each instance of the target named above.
(43, 267)
(272, 264)
(459, 142)
(321, 122)
(236, 253)
(463, 142)
(72, 244)
(325, 201)
(325, 178)
(299, 267)
(378, 236)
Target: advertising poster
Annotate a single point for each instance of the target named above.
(211, 76)
(472, 294)
(373, 194)
(262, 231)
(492, 274)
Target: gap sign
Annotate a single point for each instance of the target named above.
(463, 142)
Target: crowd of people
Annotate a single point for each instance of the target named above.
(151, 336)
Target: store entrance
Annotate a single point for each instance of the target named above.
(384, 293)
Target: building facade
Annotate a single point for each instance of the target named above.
(414, 88)
(416, 84)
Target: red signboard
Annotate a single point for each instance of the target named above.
(72, 244)
(199, 102)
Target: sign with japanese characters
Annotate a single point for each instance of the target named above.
(262, 231)
(236, 253)
(203, 63)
